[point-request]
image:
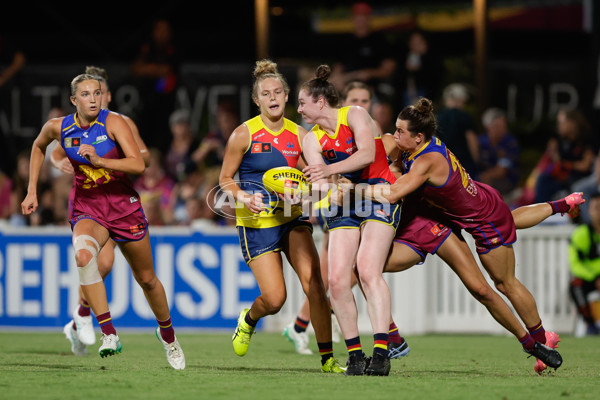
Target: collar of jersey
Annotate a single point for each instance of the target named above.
(413, 155)
(91, 124)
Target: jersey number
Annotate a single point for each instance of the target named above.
(456, 165)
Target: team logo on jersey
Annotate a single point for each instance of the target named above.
(261, 148)
(72, 142)
(329, 154)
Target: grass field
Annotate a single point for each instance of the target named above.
(41, 366)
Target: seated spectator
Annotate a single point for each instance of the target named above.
(569, 156)
(456, 127)
(156, 190)
(185, 190)
(212, 148)
(584, 261)
(178, 162)
(498, 153)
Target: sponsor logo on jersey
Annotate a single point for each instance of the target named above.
(437, 229)
(382, 214)
(288, 153)
(137, 229)
(72, 142)
(100, 139)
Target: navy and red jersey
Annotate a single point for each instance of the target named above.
(267, 149)
(341, 145)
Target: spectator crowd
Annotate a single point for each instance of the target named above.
(185, 163)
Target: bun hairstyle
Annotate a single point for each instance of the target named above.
(267, 69)
(420, 118)
(92, 70)
(98, 72)
(319, 86)
(323, 72)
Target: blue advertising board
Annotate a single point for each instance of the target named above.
(206, 280)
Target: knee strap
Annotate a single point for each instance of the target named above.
(88, 274)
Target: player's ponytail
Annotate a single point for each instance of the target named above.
(319, 86)
(420, 118)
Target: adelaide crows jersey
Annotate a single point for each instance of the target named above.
(267, 149)
(341, 145)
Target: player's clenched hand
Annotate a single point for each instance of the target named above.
(89, 152)
(313, 173)
(30, 204)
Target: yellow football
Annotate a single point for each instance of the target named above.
(285, 179)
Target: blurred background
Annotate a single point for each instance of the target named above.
(527, 71)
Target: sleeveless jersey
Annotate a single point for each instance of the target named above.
(465, 202)
(342, 145)
(96, 191)
(266, 150)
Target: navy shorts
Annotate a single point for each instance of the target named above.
(340, 218)
(258, 241)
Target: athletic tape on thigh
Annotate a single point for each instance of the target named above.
(88, 274)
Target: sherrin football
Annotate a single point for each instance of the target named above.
(282, 179)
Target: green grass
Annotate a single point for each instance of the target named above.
(41, 366)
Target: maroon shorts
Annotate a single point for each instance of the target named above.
(499, 231)
(131, 227)
(422, 234)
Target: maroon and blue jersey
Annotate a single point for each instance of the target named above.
(465, 203)
(97, 191)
